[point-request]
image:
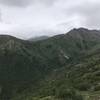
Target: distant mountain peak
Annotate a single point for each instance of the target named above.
(38, 38)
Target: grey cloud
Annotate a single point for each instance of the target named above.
(48, 2)
(0, 16)
(56, 15)
(87, 11)
(15, 2)
(24, 3)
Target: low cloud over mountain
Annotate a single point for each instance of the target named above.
(30, 16)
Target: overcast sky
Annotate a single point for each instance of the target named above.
(26, 18)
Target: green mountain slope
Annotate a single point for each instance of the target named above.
(65, 64)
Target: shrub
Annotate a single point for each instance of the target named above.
(69, 94)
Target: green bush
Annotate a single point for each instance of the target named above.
(69, 94)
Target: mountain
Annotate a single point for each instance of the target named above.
(38, 38)
(65, 66)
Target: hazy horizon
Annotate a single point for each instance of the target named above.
(33, 18)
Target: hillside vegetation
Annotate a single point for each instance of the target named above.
(63, 67)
